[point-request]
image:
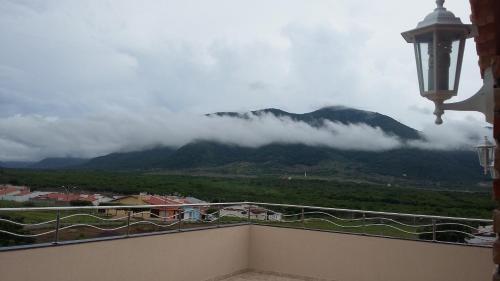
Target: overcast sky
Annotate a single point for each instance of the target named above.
(68, 67)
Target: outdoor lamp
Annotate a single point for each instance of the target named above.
(439, 42)
(486, 154)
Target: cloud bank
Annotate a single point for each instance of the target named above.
(33, 137)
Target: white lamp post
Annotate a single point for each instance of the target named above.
(439, 42)
(486, 154)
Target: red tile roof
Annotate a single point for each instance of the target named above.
(67, 197)
(162, 200)
(6, 191)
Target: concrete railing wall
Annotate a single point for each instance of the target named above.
(344, 257)
(210, 254)
(187, 256)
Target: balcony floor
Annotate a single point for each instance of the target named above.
(258, 276)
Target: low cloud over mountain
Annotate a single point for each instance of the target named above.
(33, 137)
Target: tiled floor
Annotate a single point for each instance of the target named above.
(256, 276)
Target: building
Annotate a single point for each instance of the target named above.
(8, 191)
(167, 212)
(61, 199)
(256, 213)
(24, 196)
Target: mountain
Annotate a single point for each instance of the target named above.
(404, 164)
(136, 160)
(459, 167)
(209, 154)
(16, 164)
(57, 163)
(339, 114)
(47, 163)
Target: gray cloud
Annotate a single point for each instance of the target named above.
(453, 135)
(34, 137)
(117, 66)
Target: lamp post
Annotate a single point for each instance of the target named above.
(439, 42)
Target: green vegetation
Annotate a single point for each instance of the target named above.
(9, 240)
(266, 189)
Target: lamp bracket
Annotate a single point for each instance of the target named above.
(483, 101)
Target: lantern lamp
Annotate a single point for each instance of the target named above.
(486, 154)
(439, 42)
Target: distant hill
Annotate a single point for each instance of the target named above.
(137, 160)
(15, 164)
(412, 165)
(57, 163)
(339, 114)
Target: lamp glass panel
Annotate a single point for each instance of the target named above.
(491, 155)
(486, 155)
(443, 61)
(493, 173)
(455, 49)
(419, 65)
(447, 58)
(426, 62)
(481, 153)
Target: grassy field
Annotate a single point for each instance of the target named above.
(327, 193)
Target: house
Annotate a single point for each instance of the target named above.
(128, 200)
(57, 198)
(171, 211)
(256, 213)
(24, 196)
(167, 212)
(10, 190)
(192, 213)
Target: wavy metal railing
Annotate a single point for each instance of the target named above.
(309, 217)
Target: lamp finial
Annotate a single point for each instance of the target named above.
(440, 4)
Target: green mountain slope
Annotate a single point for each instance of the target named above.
(456, 167)
(57, 163)
(136, 160)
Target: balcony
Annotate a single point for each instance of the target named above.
(238, 241)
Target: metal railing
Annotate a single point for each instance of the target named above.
(35, 226)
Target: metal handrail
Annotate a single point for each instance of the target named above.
(373, 212)
(245, 203)
(248, 206)
(115, 207)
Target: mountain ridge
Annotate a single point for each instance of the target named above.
(275, 158)
(341, 114)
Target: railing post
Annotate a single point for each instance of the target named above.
(58, 224)
(218, 215)
(128, 223)
(302, 218)
(433, 229)
(179, 222)
(249, 210)
(381, 226)
(363, 223)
